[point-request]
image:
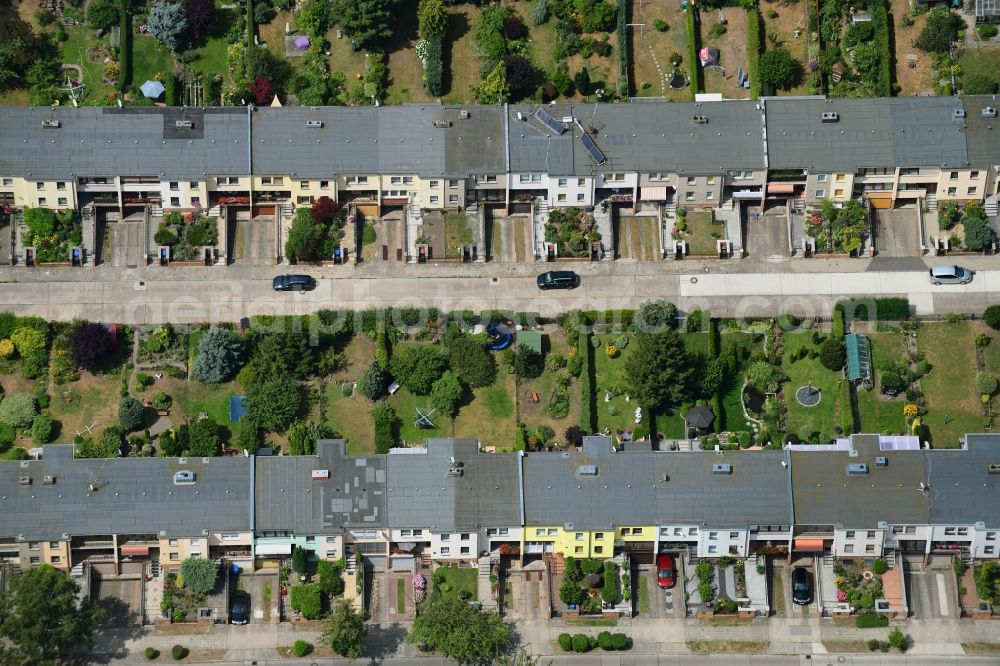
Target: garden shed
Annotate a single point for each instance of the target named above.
(859, 360)
(530, 339)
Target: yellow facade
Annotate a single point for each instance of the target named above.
(52, 194)
(597, 544)
(173, 551)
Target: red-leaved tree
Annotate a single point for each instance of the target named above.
(89, 344)
(262, 90)
(200, 15)
(323, 210)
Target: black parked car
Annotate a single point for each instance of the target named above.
(558, 280)
(239, 609)
(293, 283)
(801, 586)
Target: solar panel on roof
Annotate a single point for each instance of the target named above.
(595, 152)
(550, 122)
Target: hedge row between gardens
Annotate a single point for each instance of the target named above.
(587, 421)
(124, 47)
(623, 50)
(880, 19)
(886, 309)
(847, 408)
(693, 46)
(434, 69)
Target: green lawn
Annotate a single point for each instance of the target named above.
(643, 594)
(701, 224)
(609, 374)
(149, 58)
(193, 398)
(211, 58)
(981, 61)
(490, 415)
(878, 415)
(805, 421)
(456, 233)
(194, 339)
(992, 350)
(458, 579)
(74, 52)
(351, 417)
(400, 596)
(696, 343)
(406, 404)
(954, 407)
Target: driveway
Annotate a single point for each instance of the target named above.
(897, 233)
(767, 232)
(255, 241)
(509, 237)
(126, 243)
(932, 593)
(637, 238)
(263, 589)
(121, 599)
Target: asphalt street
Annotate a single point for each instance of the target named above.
(729, 289)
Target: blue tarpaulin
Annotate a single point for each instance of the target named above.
(237, 408)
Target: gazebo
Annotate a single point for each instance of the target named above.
(859, 360)
(700, 417)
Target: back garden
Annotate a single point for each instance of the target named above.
(390, 378)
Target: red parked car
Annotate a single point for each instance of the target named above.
(665, 576)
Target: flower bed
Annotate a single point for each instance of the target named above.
(573, 230)
(837, 229)
(858, 586)
(186, 234)
(51, 234)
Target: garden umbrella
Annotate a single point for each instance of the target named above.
(301, 43)
(152, 89)
(700, 417)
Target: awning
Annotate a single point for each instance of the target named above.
(809, 545)
(264, 549)
(395, 201)
(134, 550)
(781, 188)
(653, 193)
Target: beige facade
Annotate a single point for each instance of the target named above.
(27, 193)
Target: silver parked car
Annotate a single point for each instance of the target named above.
(950, 275)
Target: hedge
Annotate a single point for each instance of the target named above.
(612, 583)
(623, 50)
(871, 620)
(838, 321)
(565, 642)
(880, 20)
(434, 68)
(587, 421)
(694, 44)
(124, 48)
(308, 600)
(251, 27)
(170, 84)
(713, 335)
(384, 418)
(893, 308)
(847, 408)
(753, 51)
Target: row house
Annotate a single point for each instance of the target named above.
(121, 512)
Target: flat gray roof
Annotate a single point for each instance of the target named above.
(474, 144)
(134, 495)
(422, 493)
(797, 137)
(654, 488)
(825, 494)
(926, 133)
(288, 498)
(962, 491)
(982, 133)
(134, 141)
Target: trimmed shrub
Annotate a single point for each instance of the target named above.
(985, 384)
(151, 653)
(434, 67)
(694, 45)
(584, 350)
(880, 21)
(846, 409)
(130, 414)
(870, 620)
(992, 317)
(604, 640)
(581, 643)
(386, 427)
(622, 9)
(753, 51)
(612, 583)
(301, 648)
(178, 652)
(832, 354)
(565, 642)
(42, 429)
(838, 321)
(125, 46)
(619, 642)
(879, 566)
(308, 600)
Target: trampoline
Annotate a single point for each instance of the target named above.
(501, 337)
(237, 407)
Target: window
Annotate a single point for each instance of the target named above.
(963, 531)
(581, 182)
(435, 199)
(838, 193)
(710, 196)
(464, 536)
(464, 550)
(445, 536)
(174, 185)
(848, 547)
(949, 531)
(8, 182)
(689, 196)
(897, 529)
(677, 531)
(233, 180)
(734, 535)
(598, 550)
(310, 539)
(691, 180)
(539, 532)
(821, 178)
(657, 176)
(953, 175)
(61, 201)
(174, 557)
(452, 183)
(417, 533)
(55, 559)
(32, 545)
(579, 536)
(453, 198)
(991, 536)
(405, 533)
(692, 531)
(304, 184)
(324, 184)
(551, 531)
(871, 534)
(396, 180)
(819, 194)
(331, 554)
(446, 550)
(524, 178)
(279, 180)
(973, 174)
(53, 544)
(578, 550)
(407, 180)
(580, 196)
(304, 200)
(175, 202)
(502, 531)
(972, 190)
(362, 180)
(561, 197)
(41, 201)
(434, 184)
(36, 560)
(172, 543)
(712, 549)
(870, 548)
(849, 534)
(636, 530)
(232, 536)
(710, 180)
(988, 550)
(598, 536)
(713, 536)
(194, 542)
(562, 182)
(910, 529)
(39, 186)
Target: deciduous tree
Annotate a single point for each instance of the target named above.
(345, 631)
(204, 438)
(302, 437)
(102, 14)
(89, 344)
(779, 68)
(263, 90)
(199, 574)
(200, 15)
(472, 362)
(446, 394)
(418, 366)
(41, 619)
(468, 635)
(432, 19)
(275, 404)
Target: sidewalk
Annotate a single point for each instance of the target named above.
(649, 636)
